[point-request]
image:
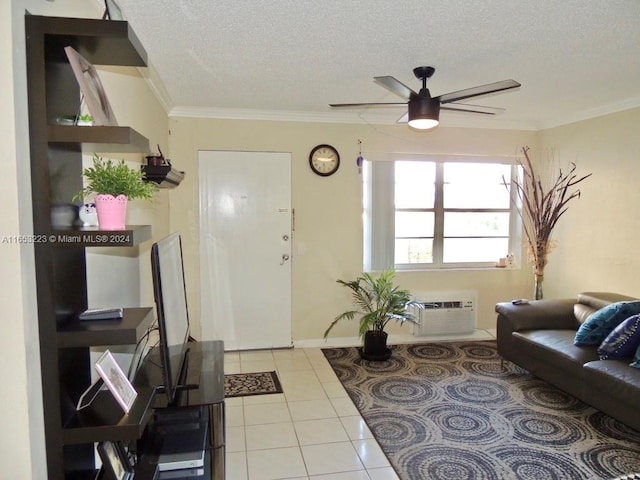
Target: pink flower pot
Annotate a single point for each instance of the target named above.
(112, 211)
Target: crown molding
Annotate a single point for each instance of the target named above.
(628, 104)
(336, 117)
(268, 115)
(466, 121)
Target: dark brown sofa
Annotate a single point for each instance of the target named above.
(538, 336)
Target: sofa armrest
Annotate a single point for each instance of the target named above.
(537, 314)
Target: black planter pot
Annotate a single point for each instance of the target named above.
(375, 346)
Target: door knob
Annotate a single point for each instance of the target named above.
(285, 257)
(285, 238)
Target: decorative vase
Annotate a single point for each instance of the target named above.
(375, 346)
(537, 289)
(112, 211)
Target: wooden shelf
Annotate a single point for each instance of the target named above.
(94, 237)
(100, 138)
(104, 419)
(127, 330)
(100, 42)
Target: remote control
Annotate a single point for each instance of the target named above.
(101, 314)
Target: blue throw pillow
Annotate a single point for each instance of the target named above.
(601, 323)
(623, 341)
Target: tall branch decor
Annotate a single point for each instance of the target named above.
(541, 209)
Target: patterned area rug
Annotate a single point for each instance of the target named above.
(245, 384)
(444, 411)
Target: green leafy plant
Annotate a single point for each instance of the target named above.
(378, 301)
(115, 178)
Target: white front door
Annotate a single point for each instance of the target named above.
(245, 248)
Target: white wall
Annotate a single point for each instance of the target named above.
(327, 241)
(21, 451)
(597, 240)
(22, 454)
(134, 104)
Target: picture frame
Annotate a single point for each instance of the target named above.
(116, 380)
(114, 460)
(112, 11)
(91, 88)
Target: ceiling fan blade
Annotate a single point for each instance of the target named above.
(466, 109)
(477, 91)
(355, 105)
(395, 86)
(473, 108)
(460, 107)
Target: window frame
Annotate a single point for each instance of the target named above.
(379, 214)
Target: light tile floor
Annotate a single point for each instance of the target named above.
(312, 431)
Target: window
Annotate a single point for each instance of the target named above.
(438, 214)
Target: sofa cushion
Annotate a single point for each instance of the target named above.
(614, 379)
(555, 346)
(601, 323)
(623, 341)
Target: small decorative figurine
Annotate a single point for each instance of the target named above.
(88, 215)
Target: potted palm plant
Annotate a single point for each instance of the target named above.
(378, 301)
(114, 183)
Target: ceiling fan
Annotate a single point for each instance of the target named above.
(423, 109)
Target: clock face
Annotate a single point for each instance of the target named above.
(324, 160)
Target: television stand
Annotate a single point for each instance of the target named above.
(208, 392)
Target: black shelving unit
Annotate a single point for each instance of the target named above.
(60, 262)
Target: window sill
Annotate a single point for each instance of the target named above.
(457, 268)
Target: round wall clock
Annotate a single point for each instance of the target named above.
(324, 160)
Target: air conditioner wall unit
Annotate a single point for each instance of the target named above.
(446, 313)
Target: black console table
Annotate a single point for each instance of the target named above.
(204, 368)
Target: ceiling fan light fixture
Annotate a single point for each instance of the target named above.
(424, 113)
(423, 123)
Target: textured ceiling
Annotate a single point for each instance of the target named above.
(288, 59)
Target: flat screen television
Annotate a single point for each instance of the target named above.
(171, 305)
